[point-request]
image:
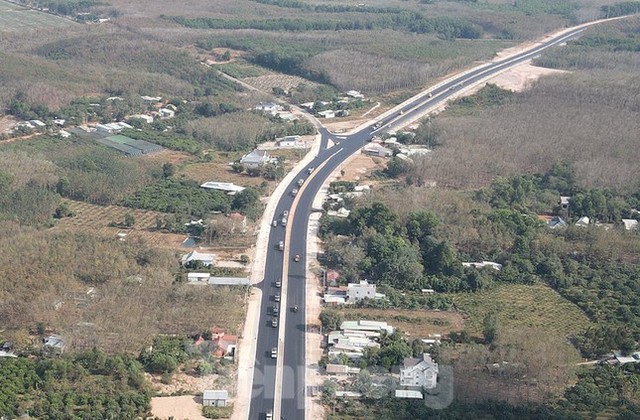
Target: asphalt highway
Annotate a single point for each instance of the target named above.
(330, 156)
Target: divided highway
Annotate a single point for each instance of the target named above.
(281, 392)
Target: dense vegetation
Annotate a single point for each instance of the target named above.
(85, 385)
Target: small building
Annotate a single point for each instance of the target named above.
(37, 123)
(151, 98)
(215, 398)
(419, 373)
(255, 159)
(288, 141)
(224, 345)
(59, 121)
(556, 222)
(228, 187)
(206, 258)
(335, 369)
(630, 224)
(355, 94)
(146, 118)
(408, 393)
(64, 134)
(483, 264)
(167, 113)
(564, 202)
(268, 107)
(228, 281)
(55, 342)
(112, 128)
(327, 114)
(375, 149)
(583, 222)
(361, 290)
(198, 278)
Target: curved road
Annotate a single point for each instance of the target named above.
(289, 336)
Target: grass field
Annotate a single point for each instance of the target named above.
(14, 18)
(417, 324)
(533, 306)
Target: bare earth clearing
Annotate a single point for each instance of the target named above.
(180, 408)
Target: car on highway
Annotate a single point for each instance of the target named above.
(295, 308)
(274, 321)
(285, 213)
(269, 416)
(274, 352)
(296, 258)
(300, 182)
(276, 298)
(275, 223)
(276, 309)
(430, 95)
(281, 245)
(311, 169)
(284, 221)
(294, 191)
(401, 112)
(278, 283)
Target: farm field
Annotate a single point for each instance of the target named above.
(98, 218)
(526, 306)
(418, 324)
(14, 18)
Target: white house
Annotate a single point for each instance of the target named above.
(288, 141)
(255, 158)
(146, 118)
(375, 149)
(327, 114)
(583, 222)
(359, 291)
(217, 398)
(114, 127)
(419, 373)
(483, 264)
(355, 94)
(630, 224)
(167, 113)
(228, 187)
(56, 342)
(268, 107)
(205, 258)
(201, 278)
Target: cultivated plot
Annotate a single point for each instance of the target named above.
(14, 18)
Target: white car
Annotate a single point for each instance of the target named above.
(275, 223)
(274, 352)
(294, 192)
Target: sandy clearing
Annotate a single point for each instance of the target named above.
(519, 78)
(185, 407)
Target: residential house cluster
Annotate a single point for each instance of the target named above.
(355, 336)
(336, 200)
(564, 203)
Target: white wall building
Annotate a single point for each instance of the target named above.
(358, 291)
(419, 373)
